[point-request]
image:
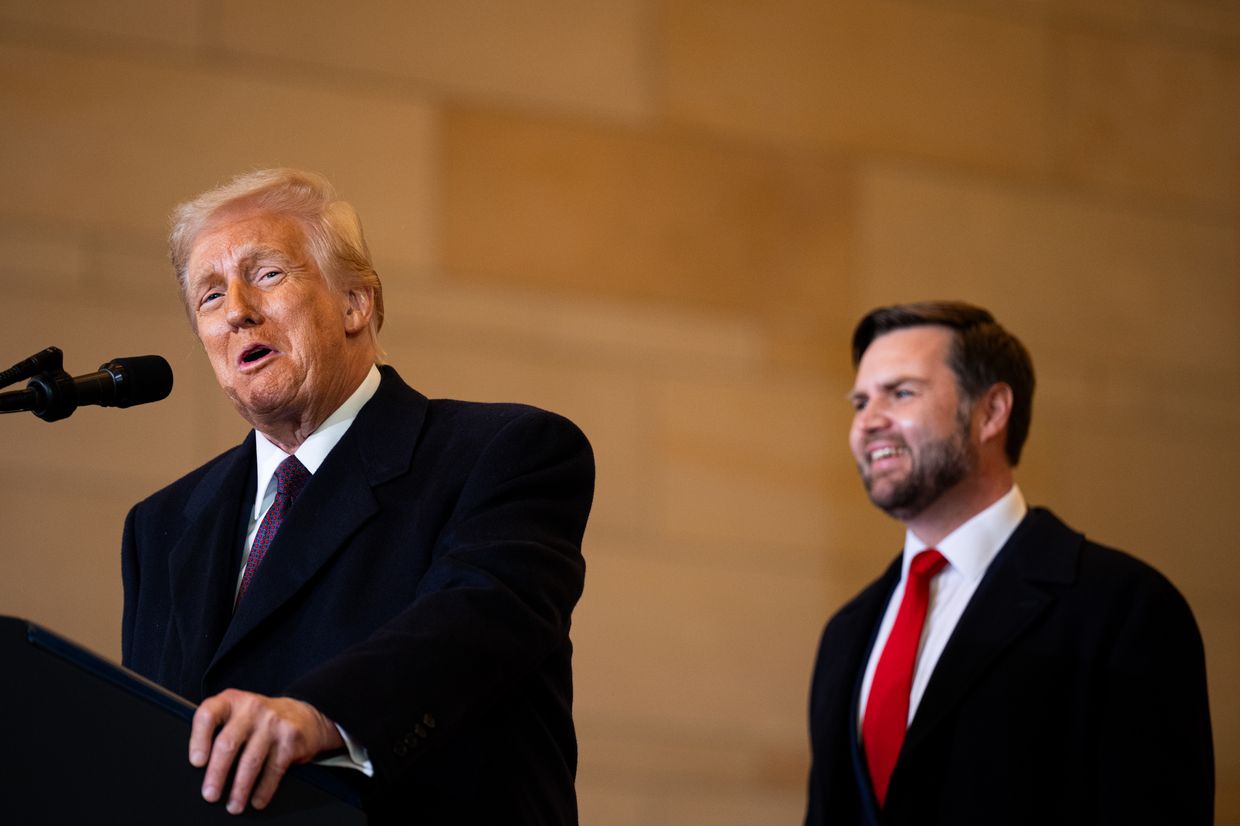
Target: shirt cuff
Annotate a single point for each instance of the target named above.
(357, 758)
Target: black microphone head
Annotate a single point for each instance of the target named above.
(139, 379)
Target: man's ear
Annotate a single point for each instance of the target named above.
(359, 306)
(994, 409)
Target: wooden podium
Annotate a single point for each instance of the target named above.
(83, 740)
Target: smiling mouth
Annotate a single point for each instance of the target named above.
(883, 453)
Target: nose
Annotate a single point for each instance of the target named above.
(241, 305)
(871, 417)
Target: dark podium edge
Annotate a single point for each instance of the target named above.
(306, 787)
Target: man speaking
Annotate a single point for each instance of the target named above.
(371, 577)
(1004, 669)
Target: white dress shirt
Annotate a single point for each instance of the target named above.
(310, 453)
(969, 551)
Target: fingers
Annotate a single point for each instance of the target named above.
(213, 713)
(275, 742)
(236, 711)
(273, 773)
(262, 736)
(257, 754)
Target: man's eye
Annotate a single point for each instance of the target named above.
(903, 393)
(209, 297)
(267, 274)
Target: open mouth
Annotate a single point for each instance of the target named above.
(884, 457)
(255, 353)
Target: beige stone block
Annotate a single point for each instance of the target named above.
(692, 647)
(592, 333)
(112, 145)
(132, 268)
(734, 807)
(813, 337)
(665, 775)
(741, 467)
(916, 78)
(1217, 23)
(589, 57)
(1212, 25)
(37, 259)
(626, 751)
(729, 513)
(769, 428)
(61, 565)
(656, 803)
(167, 22)
(655, 217)
(605, 805)
(1149, 117)
(1080, 281)
(109, 268)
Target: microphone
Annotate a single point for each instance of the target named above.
(122, 382)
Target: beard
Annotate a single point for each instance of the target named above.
(937, 467)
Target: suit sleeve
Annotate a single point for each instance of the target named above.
(488, 614)
(1157, 762)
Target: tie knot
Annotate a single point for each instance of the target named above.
(291, 477)
(926, 564)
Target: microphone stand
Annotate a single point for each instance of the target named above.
(50, 393)
(47, 359)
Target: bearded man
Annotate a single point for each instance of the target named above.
(1004, 669)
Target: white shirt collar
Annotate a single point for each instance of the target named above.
(971, 547)
(318, 444)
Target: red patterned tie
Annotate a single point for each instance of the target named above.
(886, 711)
(291, 477)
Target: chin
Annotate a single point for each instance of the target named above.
(895, 500)
(257, 405)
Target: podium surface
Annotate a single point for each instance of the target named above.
(84, 740)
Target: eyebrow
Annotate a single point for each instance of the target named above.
(853, 395)
(246, 257)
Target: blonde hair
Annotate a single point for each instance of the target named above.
(333, 230)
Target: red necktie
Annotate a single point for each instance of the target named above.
(291, 477)
(886, 710)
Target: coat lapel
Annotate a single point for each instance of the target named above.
(200, 565)
(1019, 588)
(335, 503)
(862, 616)
(871, 606)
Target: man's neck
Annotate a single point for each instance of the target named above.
(313, 451)
(959, 505)
(289, 434)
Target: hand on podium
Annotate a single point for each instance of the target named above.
(259, 733)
